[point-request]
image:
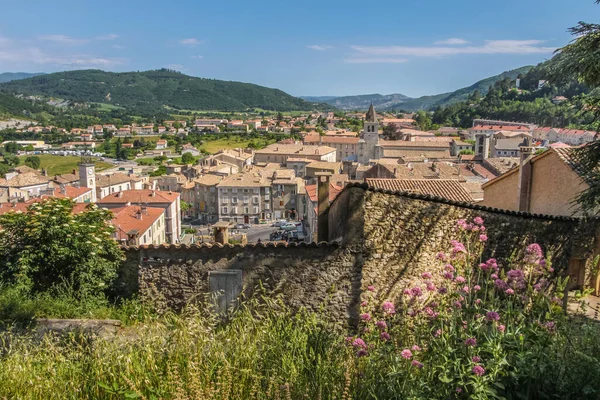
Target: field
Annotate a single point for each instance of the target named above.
(61, 165)
(233, 142)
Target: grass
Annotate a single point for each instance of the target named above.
(57, 165)
(233, 142)
(107, 107)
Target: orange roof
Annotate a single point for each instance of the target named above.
(334, 191)
(130, 219)
(139, 197)
(449, 189)
(70, 192)
(500, 128)
(22, 206)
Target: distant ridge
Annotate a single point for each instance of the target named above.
(399, 101)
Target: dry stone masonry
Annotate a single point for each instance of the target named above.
(380, 238)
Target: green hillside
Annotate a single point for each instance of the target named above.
(482, 86)
(529, 104)
(155, 90)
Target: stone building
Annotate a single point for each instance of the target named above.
(245, 197)
(286, 188)
(369, 138)
(279, 153)
(206, 202)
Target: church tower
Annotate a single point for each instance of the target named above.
(369, 138)
(87, 176)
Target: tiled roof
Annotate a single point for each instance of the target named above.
(66, 178)
(134, 218)
(448, 189)
(247, 179)
(24, 180)
(114, 179)
(139, 197)
(208, 180)
(416, 153)
(405, 144)
(334, 191)
(70, 192)
(324, 165)
(22, 206)
(299, 149)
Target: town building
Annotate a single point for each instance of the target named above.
(206, 200)
(169, 201)
(139, 225)
(456, 146)
(245, 197)
(346, 146)
(279, 153)
(547, 183)
(117, 182)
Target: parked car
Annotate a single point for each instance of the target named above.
(279, 223)
(242, 226)
(289, 227)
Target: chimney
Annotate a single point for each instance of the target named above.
(73, 171)
(525, 176)
(138, 214)
(323, 206)
(144, 210)
(120, 194)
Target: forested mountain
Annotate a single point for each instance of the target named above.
(399, 101)
(13, 76)
(527, 104)
(154, 90)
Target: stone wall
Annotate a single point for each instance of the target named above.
(376, 238)
(307, 275)
(404, 233)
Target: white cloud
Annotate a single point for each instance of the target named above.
(37, 56)
(197, 57)
(452, 41)
(355, 60)
(489, 47)
(319, 47)
(110, 36)
(191, 42)
(63, 39)
(118, 47)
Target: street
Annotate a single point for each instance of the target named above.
(253, 234)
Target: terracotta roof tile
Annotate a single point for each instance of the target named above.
(449, 189)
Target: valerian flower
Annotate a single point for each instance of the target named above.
(406, 353)
(478, 370)
(471, 342)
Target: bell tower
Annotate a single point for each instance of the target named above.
(87, 175)
(369, 138)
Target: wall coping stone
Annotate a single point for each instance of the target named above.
(167, 246)
(462, 204)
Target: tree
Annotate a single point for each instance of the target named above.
(187, 158)
(581, 59)
(48, 246)
(390, 131)
(423, 120)
(33, 162)
(11, 160)
(11, 147)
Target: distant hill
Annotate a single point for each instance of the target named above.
(428, 102)
(399, 101)
(155, 90)
(14, 76)
(362, 102)
(318, 99)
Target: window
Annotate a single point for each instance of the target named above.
(245, 199)
(225, 200)
(212, 189)
(246, 190)
(280, 203)
(255, 200)
(234, 210)
(267, 197)
(267, 206)
(266, 190)
(224, 210)
(256, 190)
(234, 190)
(246, 210)
(234, 199)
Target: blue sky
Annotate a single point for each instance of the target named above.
(414, 47)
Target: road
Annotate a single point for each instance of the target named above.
(253, 234)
